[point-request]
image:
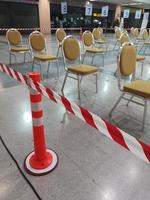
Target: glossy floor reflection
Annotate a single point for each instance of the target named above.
(91, 167)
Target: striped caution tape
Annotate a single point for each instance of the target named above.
(39, 29)
(127, 141)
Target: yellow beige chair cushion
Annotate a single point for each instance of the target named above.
(95, 50)
(140, 58)
(138, 87)
(19, 49)
(147, 43)
(44, 57)
(82, 69)
(101, 41)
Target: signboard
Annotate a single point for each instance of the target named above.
(145, 20)
(63, 7)
(146, 16)
(105, 11)
(126, 13)
(138, 14)
(88, 9)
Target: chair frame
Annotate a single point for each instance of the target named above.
(13, 53)
(79, 76)
(127, 93)
(44, 50)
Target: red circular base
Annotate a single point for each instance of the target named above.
(36, 168)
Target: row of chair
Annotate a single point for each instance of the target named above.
(71, 51)
(89, 42)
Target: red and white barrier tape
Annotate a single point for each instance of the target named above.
(127, 141)
(37, 28)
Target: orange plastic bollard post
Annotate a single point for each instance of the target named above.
(41, 161)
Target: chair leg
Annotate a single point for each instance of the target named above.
(32, 65)
(58, 71)
(41, 72)
(62, 89)
(10, 58)
(93, 59)
(116, 104)
(49, 65)
(16, 61)
(84, 57)
(144, 114)
(142, 68)
(96, 82)
(130, 100)
(78, 77)
(115, 45)
(103, 59)
(24, 57)
(140, 50)
(58, 51)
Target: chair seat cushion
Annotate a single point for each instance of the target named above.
(101, 41)
(138, 87)
(139, 38)
(82, 69)
(44, 57)
(147, 43)
(19, 49)
(140, 58)
(95, 50)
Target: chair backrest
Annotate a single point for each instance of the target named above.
(96, 33)
(145, 34)
(124, 38)
(132, 31)
(100, 29)
(37, 41)
(127, 60)
(71, 48)
(60, 35)
(13, 37)
(117, 33)
(136, 32)
(88, 38)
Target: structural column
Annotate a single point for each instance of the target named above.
(44, 16)
(118, 11)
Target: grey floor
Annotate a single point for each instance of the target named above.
(91, 167)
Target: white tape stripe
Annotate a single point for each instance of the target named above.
(21, 78)
(6, 70)
(1, 68)
(100, 124)
(36, 106)
(13, 74)
(33, 87)
(134, 146)
(43, 89)
(37, 121)
(77, 111)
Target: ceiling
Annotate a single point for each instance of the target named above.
(131, 3)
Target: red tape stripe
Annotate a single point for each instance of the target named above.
(116, 134)
(88, 117)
